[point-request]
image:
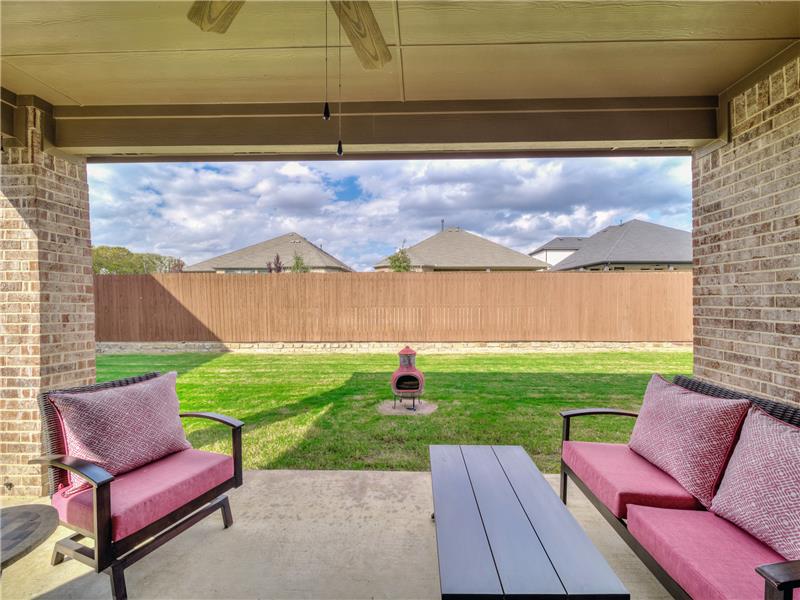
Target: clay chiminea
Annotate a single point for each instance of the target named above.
(407, 380)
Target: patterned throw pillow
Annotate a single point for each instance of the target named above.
(687, 435)
(122, 428)
(760, 491)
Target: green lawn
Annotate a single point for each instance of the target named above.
(319, 411)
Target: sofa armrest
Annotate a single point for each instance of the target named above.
(580, 412)
(96, 475)
(236, 438)
(780, 578)
(567, 415)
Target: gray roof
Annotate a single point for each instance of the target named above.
(632, 242)
(561, 243)
(455, 248)
(258, 255)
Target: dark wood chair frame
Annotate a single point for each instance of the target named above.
(780, 579)
(115, 556)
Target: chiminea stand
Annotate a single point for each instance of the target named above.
(414, 399)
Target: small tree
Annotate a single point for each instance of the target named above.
(276, 266)
(174, 265)
(400, 262)
(299, 265)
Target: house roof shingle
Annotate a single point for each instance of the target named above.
(632, 242)
(455, 248)
(561, 243)
(258, 255)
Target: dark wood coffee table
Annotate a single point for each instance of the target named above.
(501, 531)
(23, 528)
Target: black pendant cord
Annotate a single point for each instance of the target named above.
(326, 110)
(339, 149)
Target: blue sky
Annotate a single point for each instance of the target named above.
(363, 210)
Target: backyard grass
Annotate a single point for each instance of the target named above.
(319, 411)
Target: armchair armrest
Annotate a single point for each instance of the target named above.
(780, 578)
(567, 415)
(236, 438)
(224, 419)
(100, 480)
(94, 474)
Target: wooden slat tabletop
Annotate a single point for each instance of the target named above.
(466, 565)
(502, 532)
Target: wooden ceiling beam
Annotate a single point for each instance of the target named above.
(424, 107)
(395, 155)
(389, 127)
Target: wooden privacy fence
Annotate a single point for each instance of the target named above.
(372, 307)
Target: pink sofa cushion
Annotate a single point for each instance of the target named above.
(760, 490)
(122, 428)
(618, 477)
(146, 494)
(709, 557)
(688, 435)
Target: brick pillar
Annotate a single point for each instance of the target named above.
(46, 299)
(746, 238)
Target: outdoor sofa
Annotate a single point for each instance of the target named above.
(132, 513)
(693, 552)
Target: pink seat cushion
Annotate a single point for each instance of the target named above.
(618, 477)
(146, 494)
(708, 556)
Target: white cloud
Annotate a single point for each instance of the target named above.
(361, 211)
(297, 170)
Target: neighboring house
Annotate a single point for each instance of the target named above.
(632, 246)
(557, 249)
(454, 249)
(254, 259)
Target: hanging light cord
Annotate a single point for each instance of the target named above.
(340, 81)
(326, 108)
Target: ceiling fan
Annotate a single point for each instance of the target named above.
(356, 18)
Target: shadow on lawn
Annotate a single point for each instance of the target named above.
(118, 366)
(473, 408)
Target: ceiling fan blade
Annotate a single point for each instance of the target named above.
(214, 15)
(363, 31)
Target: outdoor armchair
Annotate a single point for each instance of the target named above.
(131, 514)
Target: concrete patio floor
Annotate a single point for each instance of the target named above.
(303, 534)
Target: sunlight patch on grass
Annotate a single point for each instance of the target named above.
(279, 437)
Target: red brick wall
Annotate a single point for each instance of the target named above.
(747, 245)
(47, 316)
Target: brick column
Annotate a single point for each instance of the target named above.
(46, 299)
(746, 237)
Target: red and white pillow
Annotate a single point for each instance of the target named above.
(123, 428)
(686, 434)
(760, 491)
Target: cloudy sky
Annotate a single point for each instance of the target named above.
(362, 211)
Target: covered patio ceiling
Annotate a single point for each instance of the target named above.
(137, 80)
